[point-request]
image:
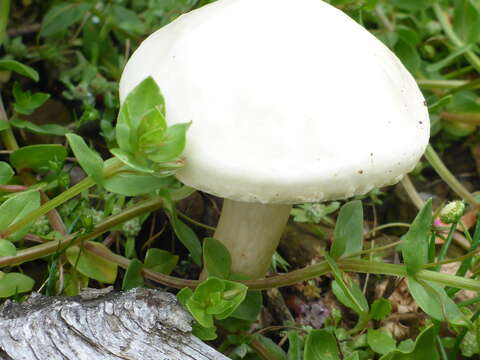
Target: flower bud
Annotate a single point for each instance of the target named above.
(452, 212)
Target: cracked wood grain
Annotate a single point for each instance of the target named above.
(140, 324)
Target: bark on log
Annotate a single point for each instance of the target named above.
(140, 324)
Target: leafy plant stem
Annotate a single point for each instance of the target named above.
(443, 353)
(466, 118)
(360, 266)
(412, 192)
(195, 222)
(469, 301)
(11, 144)
(7, 135)
(446, 244)
(262, 350)
(429, 84)
(4, 13)
(448, 177)
(467, 261)
(362, 323)
(123, 262)
(60, 199)
(48, 248)
(372, 250)
(472, 58)
(386, 226)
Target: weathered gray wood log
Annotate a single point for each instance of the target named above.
(140, 324)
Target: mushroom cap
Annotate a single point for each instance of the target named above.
(290, 101)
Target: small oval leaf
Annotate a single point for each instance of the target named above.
(91, 265)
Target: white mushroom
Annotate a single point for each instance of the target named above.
(290, 102)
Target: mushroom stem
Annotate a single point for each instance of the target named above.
(251, 232)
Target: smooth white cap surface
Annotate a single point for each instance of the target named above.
(290, 101)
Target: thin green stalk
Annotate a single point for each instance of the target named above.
(372, 250)
(429, 84)
(441, 348)
(466, 118)
(475, 242)
(467, 262)
(432, 247)
(448, 177)
(7, 135)
(469, 301)
(123, 262)
(195, 222)
(446, 244)
(56, 201)
(472, 58)
(48, 206)
(4, 14)
(386, 226)
(459, 72)
(51, 247)
(412, 192)
(360, 266)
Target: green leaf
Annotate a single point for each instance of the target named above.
(347, 291)
(19, 68)
(188, 238)
(130, 161)
(89, 159)
(6, 173)
(7, 248)
(133, 276)
(128, 20)
(152, 129)
(144, 99)
(250, 307)
(183, 295)
(439, 65)
(381, 308)
(350, 295)
(60, 17)
(432, 298)
(91, 265)
(348, 235)
(412, 5)
(464, 101)
(380, 342)
(274, 351)
(160, 261)
(215, 298)
(353, 356)
(172, 145)
(408, 55)
(15, 283)
(16, 208)
(26, 102)
(130, 183)
(216, 258)
(37, 157)
(294, 345)
(424, 348)
(321, 345)
(466, 21)
(415, 241)
(47, 129)
(186, 235)
(4, 125)
(203, 333)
